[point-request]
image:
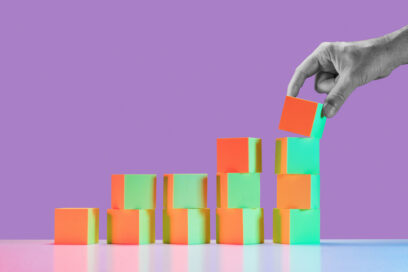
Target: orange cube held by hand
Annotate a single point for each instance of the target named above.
(239, 155)
(302, 117)
(76, 226)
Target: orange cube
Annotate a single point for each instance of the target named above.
(186, 226)
(240, 226)
(131, 226)
(302, 117)
(239, 155)
(76, 226)
(298, 191)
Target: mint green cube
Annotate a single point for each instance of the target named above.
(238, 190)
(297, 156)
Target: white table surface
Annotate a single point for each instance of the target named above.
(331, 255)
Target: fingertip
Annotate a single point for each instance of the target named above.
(329, 110)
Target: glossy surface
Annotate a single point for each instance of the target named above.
(331, 255)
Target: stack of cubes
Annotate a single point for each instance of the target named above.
(296, 220)
(186, 218)
(131, 220)
(240, 219)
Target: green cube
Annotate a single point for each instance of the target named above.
(135, 191)
(238, 190)
(185, 191)
(297, 156)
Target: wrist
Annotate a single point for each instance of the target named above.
(396, 46)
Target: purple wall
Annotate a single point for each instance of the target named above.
(90, 88)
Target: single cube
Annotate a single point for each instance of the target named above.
(302, 117)
(76, 226)
(131, 226)
(298, 191)
(185, 191)
(297, 156)
(240, 226)
(239, 155)
(133, 191)
(238, 190)
(186, 226)
(293, 226)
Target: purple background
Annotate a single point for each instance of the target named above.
(94, 88)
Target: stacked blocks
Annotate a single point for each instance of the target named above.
(296, 220)
(76, 226)
(302, 117)
(186, 218)
(131, 219)
(240, 220)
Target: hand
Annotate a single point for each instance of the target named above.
(341, 67)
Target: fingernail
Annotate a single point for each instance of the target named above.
(329, 110)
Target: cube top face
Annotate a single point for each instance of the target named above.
(297, 191)
(185, 191)
(295, 226)
(131, 226)
(134, 191)
(240, 226)
(186, 226)
(238, 190)
(239, 155)
(302, 117)
(76, 226)
(297, 156)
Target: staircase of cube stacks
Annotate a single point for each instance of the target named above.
(240, 218)
(296, 220)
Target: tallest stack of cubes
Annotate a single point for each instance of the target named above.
(296, 220)
(239, 215)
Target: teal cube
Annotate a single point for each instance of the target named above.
(294, 226)
(297, 156)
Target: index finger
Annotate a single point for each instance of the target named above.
(307, 68)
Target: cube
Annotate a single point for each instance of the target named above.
(294, 226)
(297, 156)
(186, 226)
(76, 226)
(131, 226)
(240, 226)
(185, 191)
(302, 117)
(238, 190)
(239, 155)
(133, 191)
(298, 191)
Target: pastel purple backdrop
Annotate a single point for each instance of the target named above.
(91, 88)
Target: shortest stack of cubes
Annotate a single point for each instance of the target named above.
(131, 219)
(296, 220)
(186, 218)
(76, 226)
(240, 219)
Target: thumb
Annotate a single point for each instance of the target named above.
(337, 96)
